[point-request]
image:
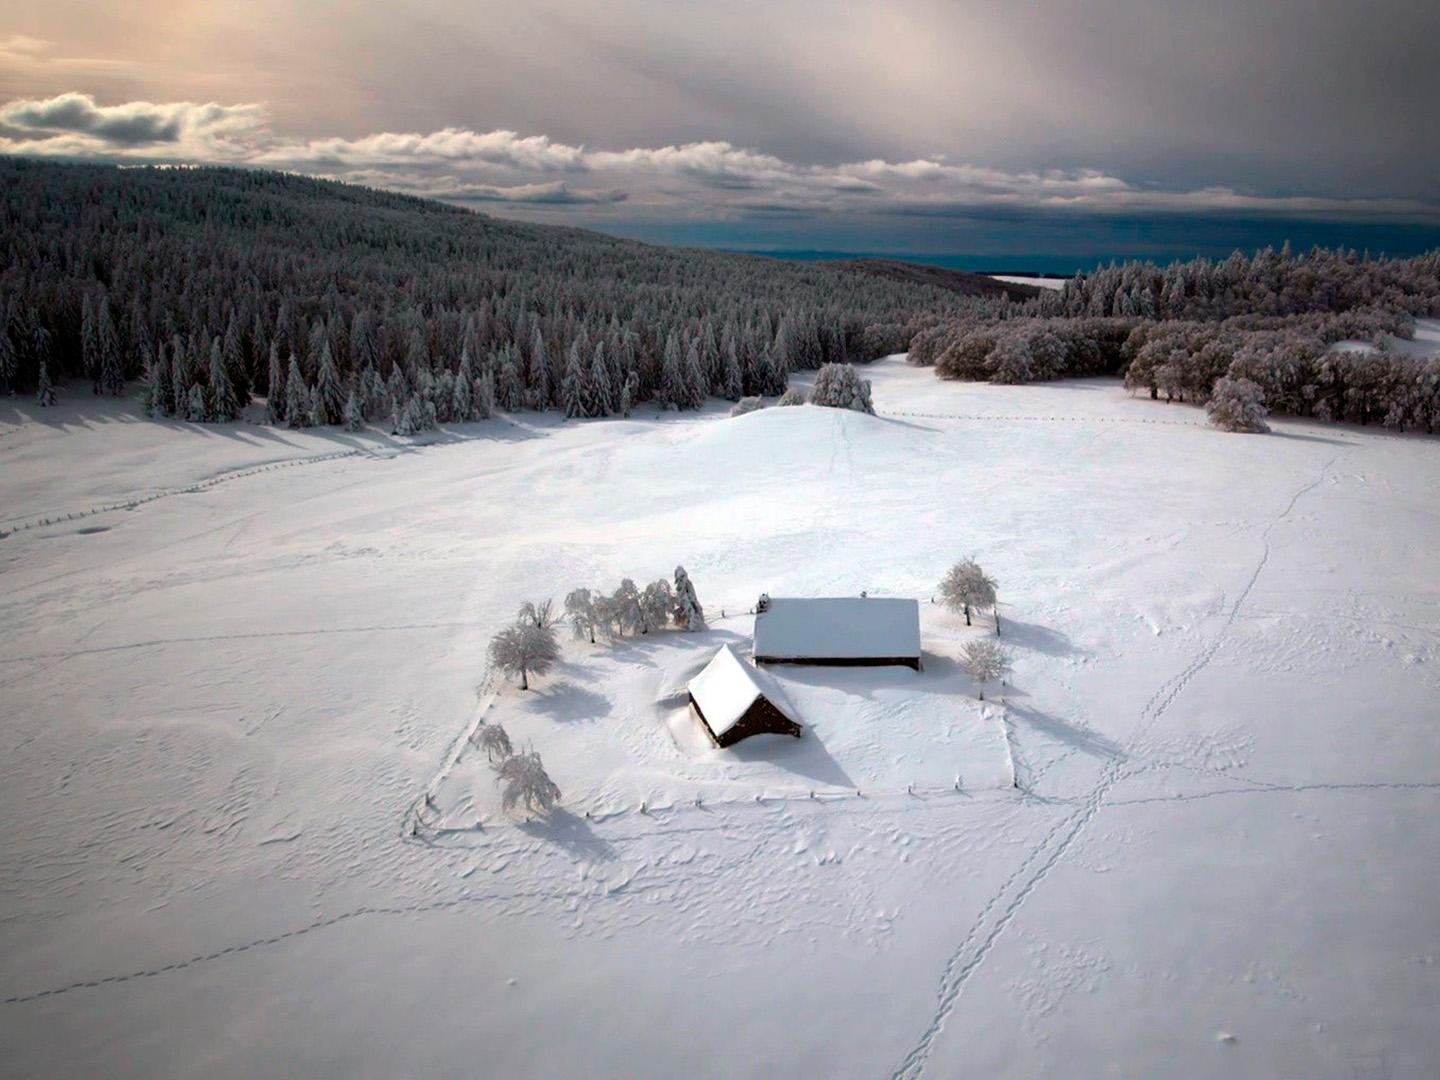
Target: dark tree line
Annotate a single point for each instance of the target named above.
(1175, 331)
(340, 304)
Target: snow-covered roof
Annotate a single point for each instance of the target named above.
(838, 628)
(727, 687)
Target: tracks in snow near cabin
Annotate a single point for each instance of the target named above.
(1001, 908)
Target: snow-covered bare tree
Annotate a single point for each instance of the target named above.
(966, 587)
(656, 604)
(541, 614)
(526, 781)
(840, 387)
(580, 614)
(625, 608)
(985, 662)
(493, 739)
(525, 649)
(1237, 404)
(747, 405)
(688, 614)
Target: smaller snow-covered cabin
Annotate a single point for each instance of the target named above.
(862, 631)
(735, 701)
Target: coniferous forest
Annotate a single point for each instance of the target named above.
(340, 304)
(209, 287)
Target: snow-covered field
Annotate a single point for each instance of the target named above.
(222, 704)
(1030, 279)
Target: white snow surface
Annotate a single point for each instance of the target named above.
(1054, 284)
(728, 686)
(224, 703)
(838, 628)
(1426, 341)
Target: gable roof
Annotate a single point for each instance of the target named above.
(727, 687)
(838, 628)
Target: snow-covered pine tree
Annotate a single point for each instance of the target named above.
(275, 387)
(597, 383)
(793, 396)
(297, 396)
(90, 341)
(509, 394)
(154, 396)
(462, 407)
(112, 374)
(628, 391)
(179, 376)
(484, 399)
(164, 390)
(372, 395)
(195, 410)
(572, 386)
(329, 393)
(688, 613)
(732, 380)
(693, 379)
(232, 354)
(223, 403)
(354, 415)
(672, 393)
(45, 389)
(538, 372)
(408, 419)
(9, 359)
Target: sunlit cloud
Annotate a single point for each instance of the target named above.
(701, 179)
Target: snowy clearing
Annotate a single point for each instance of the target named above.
(224, 708)
(1029, 279)
(1425, 343)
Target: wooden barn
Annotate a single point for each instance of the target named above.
(847, 631)
(735, 701)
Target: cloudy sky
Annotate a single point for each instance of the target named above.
(999, 129)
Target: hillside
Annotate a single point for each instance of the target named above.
(228, 281)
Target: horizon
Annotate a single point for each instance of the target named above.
(1043, 137)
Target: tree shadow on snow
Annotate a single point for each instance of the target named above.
(1081, 738)
(805, 757)
(571, 834)
(1277, 434)
(1037, 638)
(568, 701)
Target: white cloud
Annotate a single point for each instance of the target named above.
(699, 179)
